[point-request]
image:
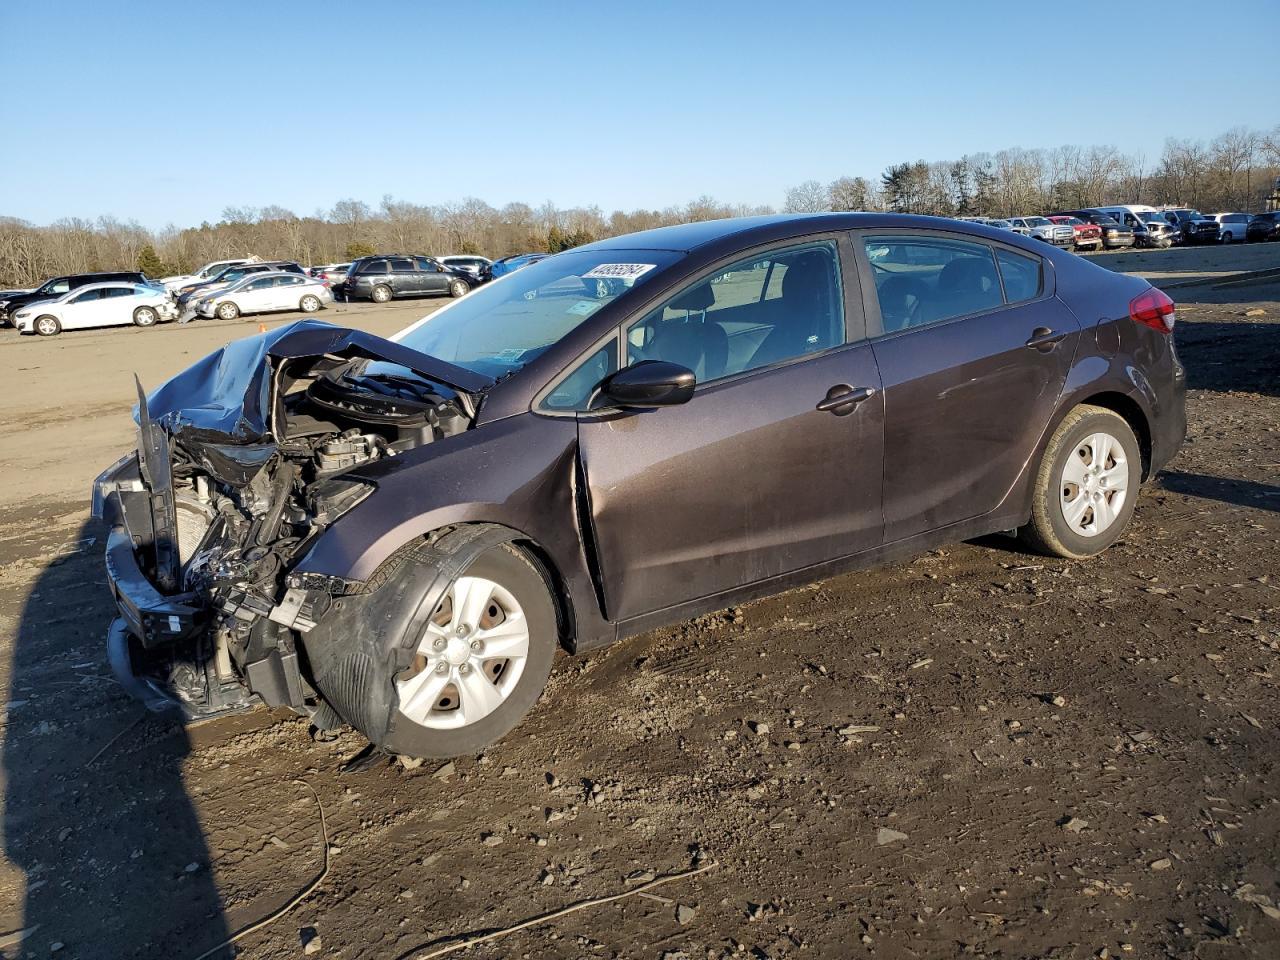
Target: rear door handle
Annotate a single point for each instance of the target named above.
(1042, 338)
(842, 398)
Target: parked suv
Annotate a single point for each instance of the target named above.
(57, 286)
(387, 275)
(1265, 226)
(1194, 226)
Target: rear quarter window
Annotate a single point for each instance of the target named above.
(1023, 276)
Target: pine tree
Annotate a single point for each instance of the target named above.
(149, 262)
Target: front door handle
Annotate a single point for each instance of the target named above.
(842, 398)
(1044, 339)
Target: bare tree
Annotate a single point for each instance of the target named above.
(807, 197)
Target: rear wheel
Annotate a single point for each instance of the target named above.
(47, 326)
(145, 316)
(309, 304)
(381, 293)
(458, 288)
(1086, 486)
(1226, 237)
(228, 311)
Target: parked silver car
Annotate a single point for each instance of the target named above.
(1042, 228)
(264, 293)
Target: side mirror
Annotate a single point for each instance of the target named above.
(648, 383)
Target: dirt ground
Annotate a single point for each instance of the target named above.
(978, 753)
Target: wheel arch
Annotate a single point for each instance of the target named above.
(1132, 412)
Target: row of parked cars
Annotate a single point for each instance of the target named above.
(231, 288)
(1128, 225)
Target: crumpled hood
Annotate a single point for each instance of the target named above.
(222, 408)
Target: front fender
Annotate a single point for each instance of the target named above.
(519, 472)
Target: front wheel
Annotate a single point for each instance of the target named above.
(1086, 486)
(458, 288)
(145, 316)
(1226, 237)
(470, 671)
(228, 311)
(309, 304)
(48, 326)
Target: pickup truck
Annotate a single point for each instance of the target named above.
(1085, 235)
(1042, 228)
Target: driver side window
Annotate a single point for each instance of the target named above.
(771, 307)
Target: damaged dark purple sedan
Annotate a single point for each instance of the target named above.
(400, 534)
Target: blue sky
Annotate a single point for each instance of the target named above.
(168, 112)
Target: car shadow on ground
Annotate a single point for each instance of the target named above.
(1234, 357)
(115, 860)
(1240, 493)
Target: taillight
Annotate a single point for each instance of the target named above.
(1153, 308)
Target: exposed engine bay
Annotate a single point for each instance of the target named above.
(242, 462)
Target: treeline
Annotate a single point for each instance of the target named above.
(1235, 171)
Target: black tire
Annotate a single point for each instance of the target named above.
(227, 311)
(458, 288)
(145, 317)
(47, 326)
(310, 303)
(1048, 532)
(380, 294)
(515, 572)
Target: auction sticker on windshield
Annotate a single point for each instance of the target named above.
(618, 271)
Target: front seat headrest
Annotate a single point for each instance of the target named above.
(695, 300)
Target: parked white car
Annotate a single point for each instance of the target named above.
(205, 273)
(1232, 226)
(471, 264)
(97, 305)
(265, 292)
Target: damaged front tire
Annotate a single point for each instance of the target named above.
(442, 658)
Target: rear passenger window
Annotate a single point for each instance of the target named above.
(1021, 275)
(402, 264)
(374, 266)
(922, 280)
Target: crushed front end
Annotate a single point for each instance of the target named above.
(242, 462)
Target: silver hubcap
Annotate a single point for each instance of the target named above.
(310, 303)
(47, 326)
(381, 295)
(227, 311)
(146, 317)
(1094, 485)
(469, 659)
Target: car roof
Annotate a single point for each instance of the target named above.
(110, 283)
(745, 231)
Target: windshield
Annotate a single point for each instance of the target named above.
(1150, 216)
(503, 325)
(1037, 222)
(56, 285)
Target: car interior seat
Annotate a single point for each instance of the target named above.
(692, 341)
(802, 315)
